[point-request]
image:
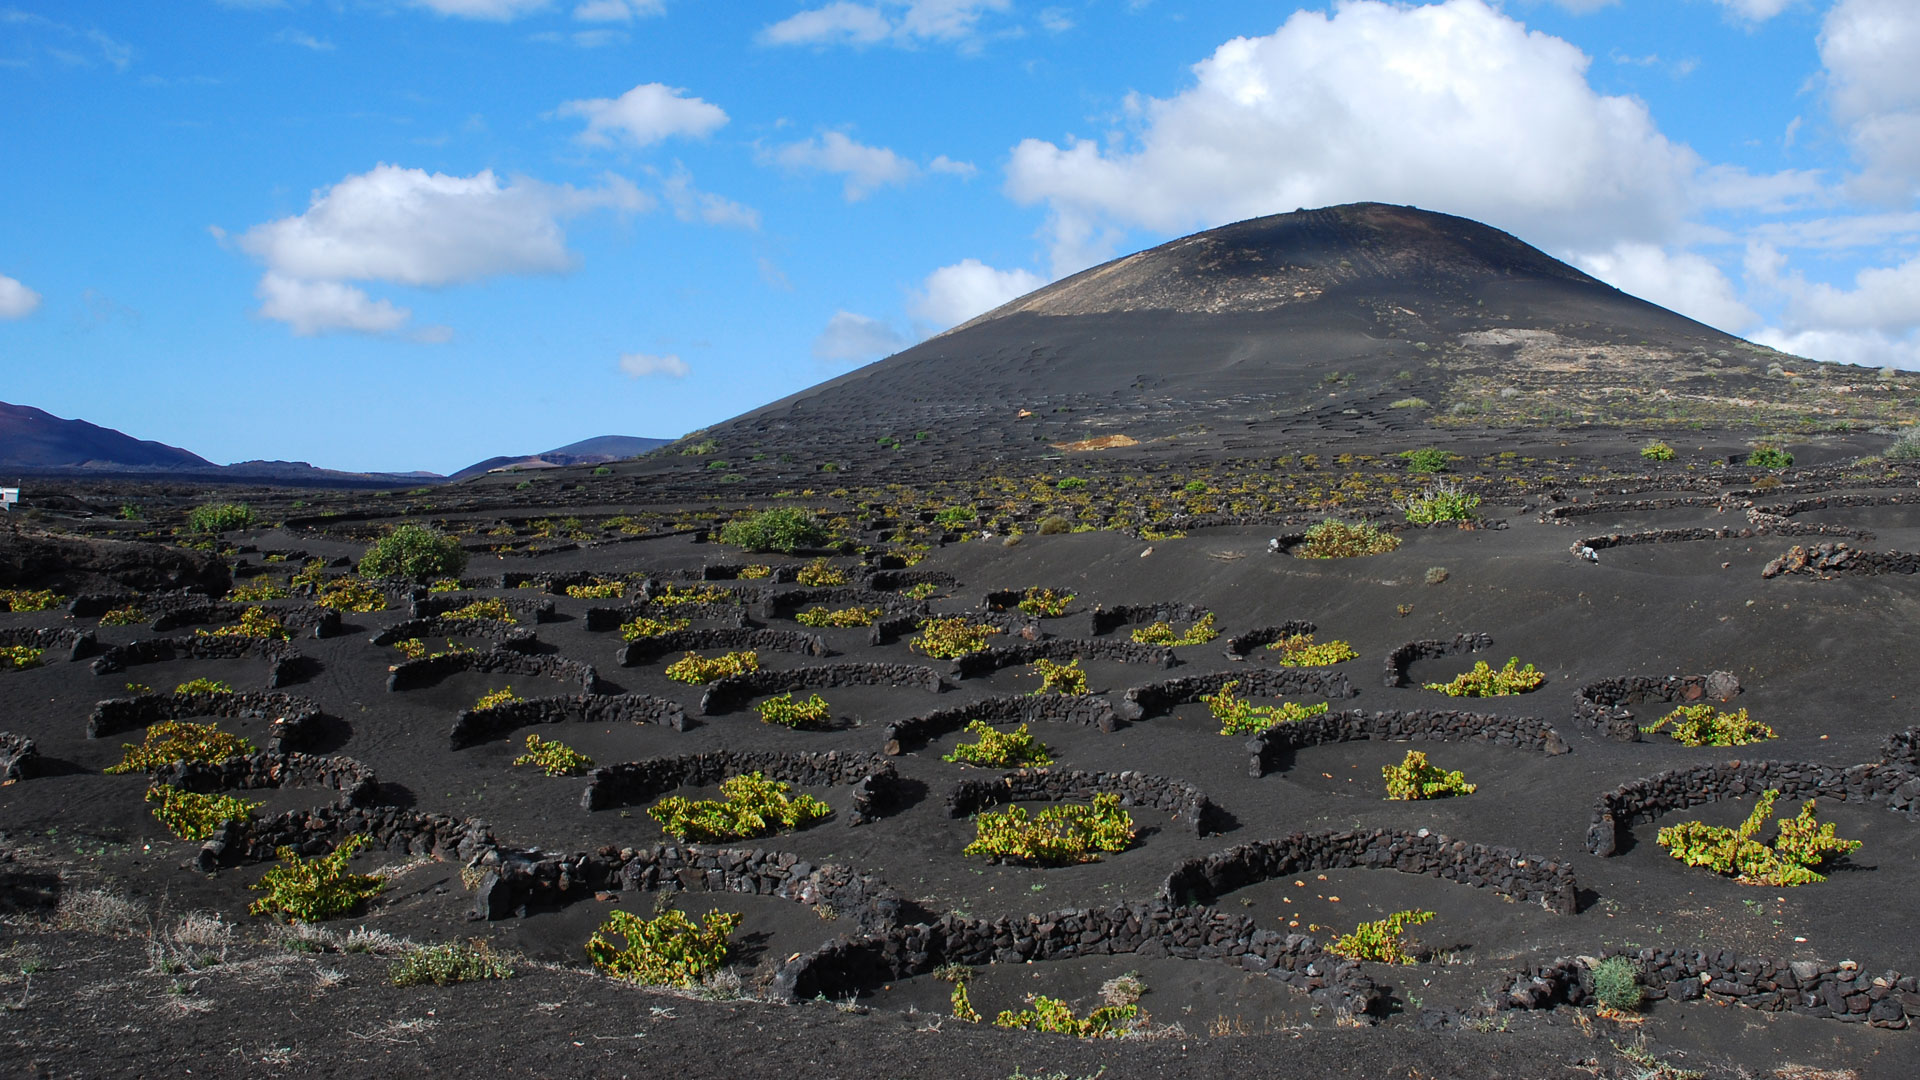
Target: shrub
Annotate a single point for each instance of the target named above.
(1053, 1015)
(1162, 633)
(1060, 678)
(920, 591)
(697, 669)
(200, 686)
(1238, 716)
(24, 600)
(496, 698)
(219, 517)
(755, 572)
(1331, 539)
(819, 573)
(20, 657)
(814, 712)
(254, 623)
(1616, 984)
(445, 964)
(1299, 650)
(750, 805)
(1657, 451)
(645, 627)
(1044, 603)
(259, 591)
(123, 616)
(818, 616)
(1803, 844)
(416, 553)
(351, 595)
(1414, 778)
(1704, 725)
(599, 590)
(411, 648)
(1070, 483)
(1426, 461)
(1195, 487)
(313, 574)
(952, 637)
(1906, 447)
(492, 609)
(677, 596)
(954, 516)
(1059, 835)
(443, 585)
(1484, 681)
(1769, 457)
(785, 529)
(553, 757)
(1381, 941)
(190, 815)
(1411, 403)
(177, 740)
(311, 890)
(1445, 501)
(1016, 749)
(668, 950)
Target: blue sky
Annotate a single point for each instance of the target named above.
(399, 234)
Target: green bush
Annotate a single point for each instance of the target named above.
(814, 712)
(1331, 539)
(820, 573)
(1163, 633)
(123, 616)
(1055, 678)
(645, 627)
(201, 686)
(553, 757)
(1414, 778)
(1704, 725)
(310, 890)
(1062, 834)
(1802, 846)
(1616, 984)
(20, 657)
(696, 669)
(219, 517)
(750, 806)
(1238, 716)
(177, 740)
(1769, 457)
(1044, 603)
(668, 950)
(254, 623)
(492, 609)
(1411, 403)
(785, 529)
(996, 749)
(598, 590)
(445, 964)
(1056, 1016)
(25, 600)
(1906, 447)
(191, 815)
(1657, 451)
(1426, 460)
(1484, 681)
(819, 616)
(416, 553)
(1070, 483)
(951, 638)
(1445, 501)
(1299, 650)
(1382, 940)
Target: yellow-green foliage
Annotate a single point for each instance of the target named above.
(1044, 603)
(177, 740)
(668, 950)
(1414, 778)
(677, 596)
(750, 805)
(1332, 539)
(1704, 725)
(646, 627)
(502, 696)
(1062, 834)
(259, 591)
(820, 573)
(1060, 678)
(351, 595)
(190, 815)
(448, 963)
(1053, 1015)
(314, 573)
(199, 686)
(310, 890)
(599, 590)
(1484, 681)
(412, 648)
(444, 585)
(123, 616)
(20, 656)
(853, 616)
(755, 572)
(694, 668)
(254, 623)
(1657, 451)
(1802, 845)
(1298, 650)
(786, 712)
(998, 749)
(1381, 941)
(492, 609)
(1162, 633)
(553, 757)
(29, 599)
(962, 1005)
(920, 591)
(951, 637)
(1238, 716)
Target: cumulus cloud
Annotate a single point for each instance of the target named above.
(866, 168)
(319, 307)
(1756, 10)
(495, 10)
(953, 294)
(1452, 106)
(854, 338)
(292, 36)
(691, 204)
(645, 115)
(1682, 281)
(1866, 348)
(618, 10)
(1868, 49)
(641, 365)
(897, 22)
(16, 300)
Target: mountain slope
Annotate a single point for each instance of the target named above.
(34, 439)
(595, 451)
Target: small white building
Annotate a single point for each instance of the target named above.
(9, 496)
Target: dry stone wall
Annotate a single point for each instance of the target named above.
(648, 649)
(1602, 707)
(477, 725)
(1188, 804)
(1085, 709)
(1841, 991)
(431, 669)
(1140, 702)
(291, 720)
(730, 691)
(874, 781)
(1431, 649)
(1268, 748)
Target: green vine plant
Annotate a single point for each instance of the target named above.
(1238, 716)
(1444, 501)
(820, 573)
(312, 890)
(1415, 778)
(179, 740)
(667, 950)
(20, 657)
(495, 699)
(449, 963)
(598, 589)
(553, 757)
(191, 815)
(254, 623)
(351, 596)
(1053, 1015)
(1058, 836)
(25, 600)
(951, 638)
(996, 749)
(1333, 539)
(750, 805)
(200, 686)
(1055, 678)
(491, 609)
(697, 669)
(820, 616)
(124, 616)
(1802, 846)
(1704, 725)
(1299, 650)
(812, 714)
(647, 627)
(1485, 681)
(1044, 603)
(1162, 633)
(1382, 941)
(258, 591)
(920, 591)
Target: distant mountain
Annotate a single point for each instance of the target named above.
(595, 451)
(33, 440)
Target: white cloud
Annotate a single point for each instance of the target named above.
(1866, 348)
(496, 10)
(691, 204)
(1868, 47)
(857, 339)
(16, 300)
(1756, 10)
(945, 164)
(953, 294)
(645, 115)
(641, 365)
(900, 22)
(618, 10)
(866, 168)
(1584, 7)
(320, 307)
(1452, 106)
(303, 39)
(1681, 281)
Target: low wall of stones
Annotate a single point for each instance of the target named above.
(1430, 649)
(611, 618)
(1105, 620)
(994, 657)
(1265, 750)
(1602, 707)
(732, 690)
(291, 720)
(1835, 502)
(648, 649)
(316, 831)
(79, 644)
(1635, 506)
(477, 725)
(431, 669)
(1242, 644)
(1765, 527)
(783, 605)
(529, 608)
(284, 665)
(895, 580)
(780, 573)
(1188, 804)
(19, 758)
(1843, 991)
(743, 596)
(354, 781)
(1829, 559)
(888, 629)
(1505, 871)
(505, 635)
(1153, 699)
(873, 779)
(1902, 748)
(1085, 709)
(1009, 600)
(318, 621)
(1897, 784)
